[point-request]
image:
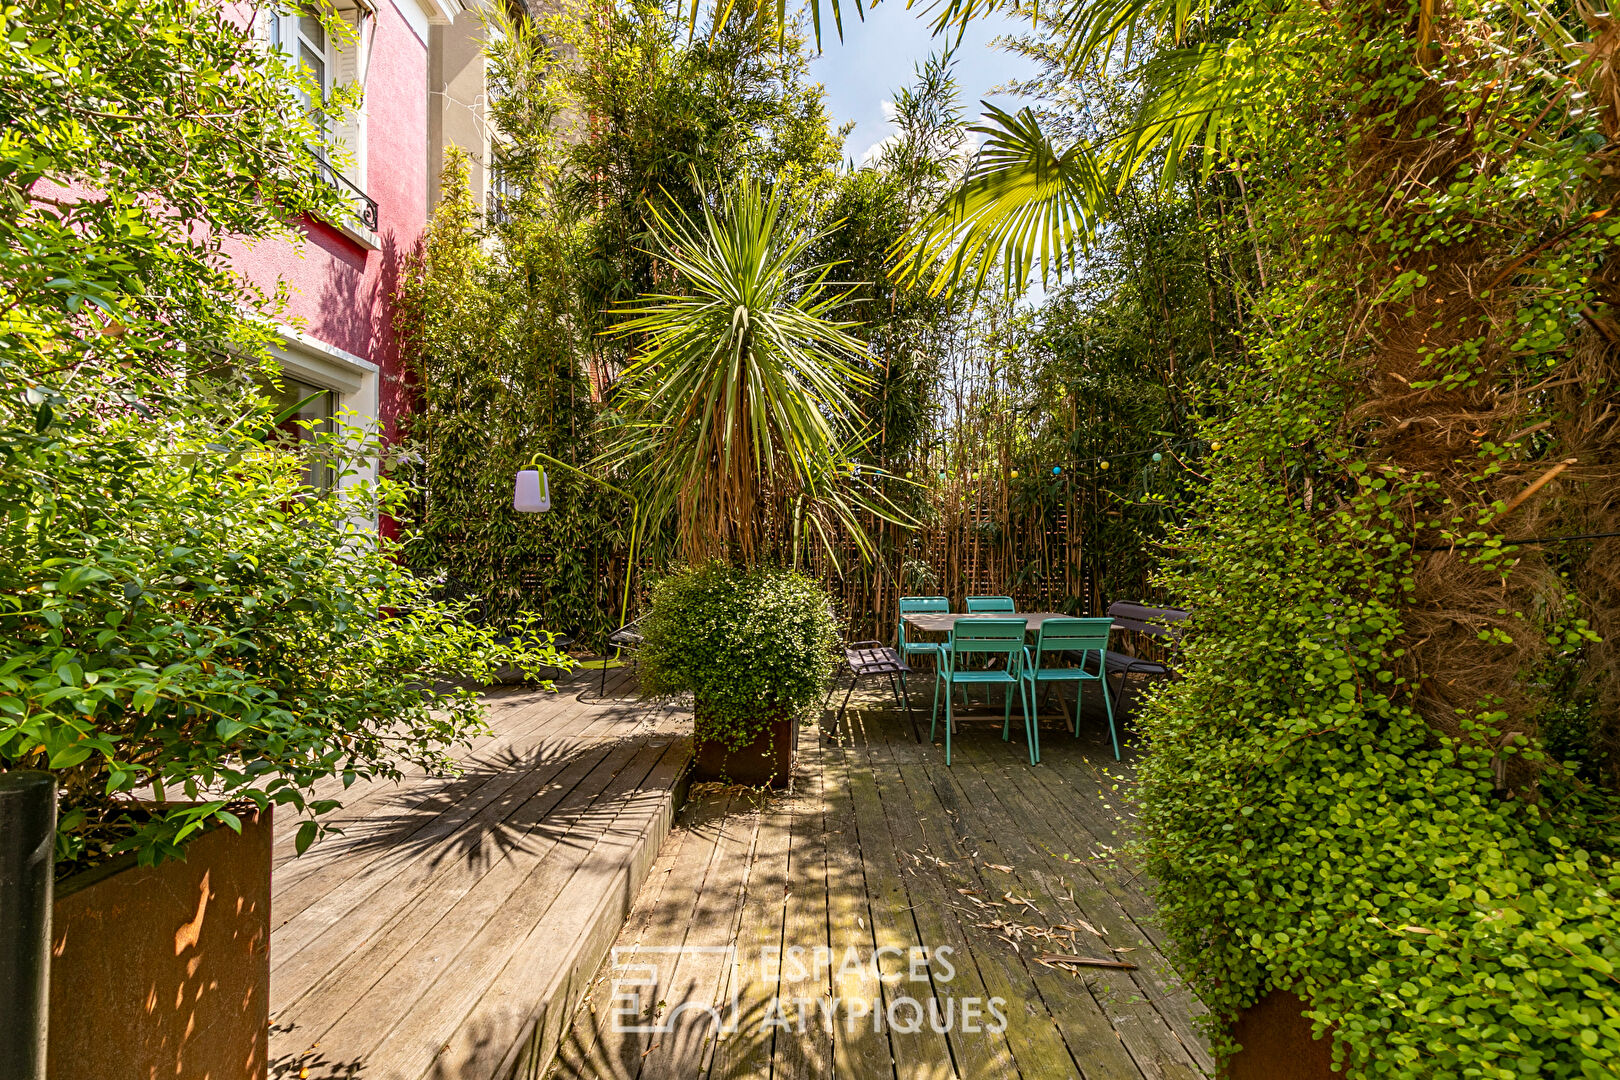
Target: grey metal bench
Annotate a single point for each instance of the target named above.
(627, 639)
(863, 660)
(1159, 622)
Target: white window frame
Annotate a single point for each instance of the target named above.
(344, 63)
(287, 34)
(353, 380)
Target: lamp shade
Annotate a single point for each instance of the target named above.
(532, 495)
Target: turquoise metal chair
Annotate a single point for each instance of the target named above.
(1088, 637)
(981, 604)
(908, 649)
(988, 638)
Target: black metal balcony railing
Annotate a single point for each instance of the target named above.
(363, 205)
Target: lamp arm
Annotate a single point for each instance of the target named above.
(635, 523)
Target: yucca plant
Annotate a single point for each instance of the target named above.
(737, 416)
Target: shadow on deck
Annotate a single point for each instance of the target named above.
(892, 917)
(456, 920)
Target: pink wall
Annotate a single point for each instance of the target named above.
(341, 292)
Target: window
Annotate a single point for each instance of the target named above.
(305, 39)
(316, 408)
(503, 191)
(333, 57)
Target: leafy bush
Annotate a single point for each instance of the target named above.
(180, 611)
(749, 645)
(1350, 795)
(180, 616)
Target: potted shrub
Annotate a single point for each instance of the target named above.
(755, 649)
(737, 419)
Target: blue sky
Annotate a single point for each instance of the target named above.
(877, 56)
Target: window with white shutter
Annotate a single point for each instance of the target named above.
(335, 58)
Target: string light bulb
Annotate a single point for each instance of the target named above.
(1158, 457)
(908, 474)
(1102, 465)
(1015, 474)
(1214, 446)
(975, 476)
(1057, 470)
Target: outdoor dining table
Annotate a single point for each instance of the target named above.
(943, 622)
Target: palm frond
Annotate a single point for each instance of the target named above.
(1023, 204)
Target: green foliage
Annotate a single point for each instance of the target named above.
(489, 330)
(663, 114)
(1350, 793)
(750, 645)
(180, 617)
(182, 613)
(502, 317)
(736, 413)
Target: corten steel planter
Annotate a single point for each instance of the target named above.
(766, 761)
(165, 971)
(1277, 1043)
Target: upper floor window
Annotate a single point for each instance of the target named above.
(305, 39)
(333, 56)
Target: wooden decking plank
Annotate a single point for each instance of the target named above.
(527, 1017)
(428, 991)
(508, 708)
(1110, 910)
(747, 1052)
(860, 1043)
(1031, 1036)
(937, 925)
(585, 1053)
(368, 940)
(882, 833)
(417, 794)
(1115, 1031)
(464, 1027)
(804, 1050)
(701, 979)
(620, 1053)
(470, 833)
(924, 1052)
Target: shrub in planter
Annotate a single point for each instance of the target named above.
(754, 648)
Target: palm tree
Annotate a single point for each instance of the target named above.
(737, 416)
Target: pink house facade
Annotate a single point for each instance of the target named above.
(419, 67)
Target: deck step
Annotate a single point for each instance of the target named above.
(455, 926)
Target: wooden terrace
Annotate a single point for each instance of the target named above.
(539, 914)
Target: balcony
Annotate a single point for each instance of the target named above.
(362, 207)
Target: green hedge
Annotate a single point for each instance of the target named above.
(1362, 791)
(747, 644)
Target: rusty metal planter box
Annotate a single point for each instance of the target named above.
(767, 761)
(1277, 1043)
(165, 971)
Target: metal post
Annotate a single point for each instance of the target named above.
(27, 867)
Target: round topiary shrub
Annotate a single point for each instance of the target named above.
(754, 647)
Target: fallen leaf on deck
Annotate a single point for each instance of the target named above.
(1084, 961)
(998, 866)
(1087, 927)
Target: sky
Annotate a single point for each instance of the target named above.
(877, 57)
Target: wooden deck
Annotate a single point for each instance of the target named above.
(771, 910)
(453, 926)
